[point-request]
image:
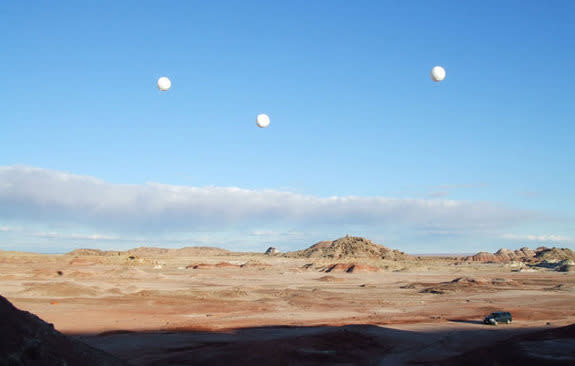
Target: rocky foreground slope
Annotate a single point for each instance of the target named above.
(26, 340)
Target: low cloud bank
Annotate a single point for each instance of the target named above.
(537, 238)
(35, 195)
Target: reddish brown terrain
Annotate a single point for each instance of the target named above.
(348, 301)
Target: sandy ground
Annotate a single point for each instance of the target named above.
(152, 310)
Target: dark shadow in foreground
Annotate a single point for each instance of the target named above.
(26, 340)
(345, 345)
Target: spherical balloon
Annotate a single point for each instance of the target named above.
(437, 73)
(164, 83)
(262, 120)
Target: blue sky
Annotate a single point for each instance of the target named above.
(361, 140)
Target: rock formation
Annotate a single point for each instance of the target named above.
(271, 251)
(349, 247)
(524, 254)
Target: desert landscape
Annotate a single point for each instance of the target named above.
(290, 183)
(348, 301)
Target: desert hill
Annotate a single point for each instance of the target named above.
(349, 247)
(93, 252)
(181, 252)
(27, 340)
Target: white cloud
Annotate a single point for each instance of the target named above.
(58, 235)
(8, 229)
(536, 238)
(34, 195)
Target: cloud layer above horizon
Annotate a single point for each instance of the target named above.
(33, 196)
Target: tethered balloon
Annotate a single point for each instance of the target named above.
(263, 120)
(437, 73)
(164, 83)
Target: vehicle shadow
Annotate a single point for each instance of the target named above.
(465, 321)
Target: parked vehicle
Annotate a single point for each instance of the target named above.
(498, 317)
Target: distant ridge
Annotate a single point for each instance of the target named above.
(152, 252)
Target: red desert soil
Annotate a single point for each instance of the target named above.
(330, 279)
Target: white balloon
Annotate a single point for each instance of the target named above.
(437, 73)
(262, 120)
(164, 83)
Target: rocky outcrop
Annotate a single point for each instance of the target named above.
(26, 340)
(483, 257)
(271, 251)
(555, 254)
(211, 265)
(350, 268)
(565, 265)
(525, 252)
(349, 247)
(537, 256)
